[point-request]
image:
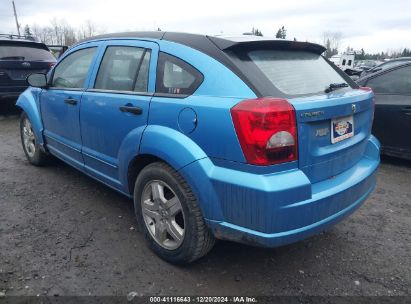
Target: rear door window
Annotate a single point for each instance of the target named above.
(295, 73)
(26, 53)
(177, 77)
(124, 68)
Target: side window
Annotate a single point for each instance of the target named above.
(394, 82)
(71, 72)
(124, 68)
(175, 76)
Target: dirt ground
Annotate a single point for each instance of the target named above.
(62, 233)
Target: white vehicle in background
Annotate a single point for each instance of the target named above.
(346, 63)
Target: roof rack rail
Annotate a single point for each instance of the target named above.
(24, 37)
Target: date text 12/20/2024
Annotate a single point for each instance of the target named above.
(206, 299)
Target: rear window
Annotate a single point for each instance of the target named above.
(295, 72)
(24, 52)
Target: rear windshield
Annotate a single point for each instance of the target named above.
(24, 52)
(295, 72)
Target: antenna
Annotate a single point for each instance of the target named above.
(15, 16)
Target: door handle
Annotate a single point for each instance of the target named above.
(131, 109)
(70, 101)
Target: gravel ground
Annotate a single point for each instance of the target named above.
(62, 233)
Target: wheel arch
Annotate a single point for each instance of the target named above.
(28, 102)
(160, 143)
(137, 164)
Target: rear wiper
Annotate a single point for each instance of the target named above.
(12, 58)
(335, 86)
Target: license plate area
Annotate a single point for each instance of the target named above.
(342, 128)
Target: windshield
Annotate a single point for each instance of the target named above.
(296, 72)
(27, 53)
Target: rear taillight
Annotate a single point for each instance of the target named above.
(267, 130)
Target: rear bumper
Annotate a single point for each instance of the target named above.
(227, 231)
(277, 209)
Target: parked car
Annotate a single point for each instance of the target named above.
(366, 65)
(247, 139)
(386, 65)
(360, 67)
(392, 122)
(19, 57)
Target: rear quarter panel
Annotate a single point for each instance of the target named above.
(221, 89)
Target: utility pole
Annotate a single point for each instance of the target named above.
(15, 16)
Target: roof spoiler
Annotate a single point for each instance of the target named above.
(20, 37)
(227, 44)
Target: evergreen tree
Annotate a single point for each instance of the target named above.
(281, 33)
(278, 35)
(256, 32)
(330, 51)
(406, 53)
(27, 31)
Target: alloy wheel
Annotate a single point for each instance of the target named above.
(29, 139)
(163, 214)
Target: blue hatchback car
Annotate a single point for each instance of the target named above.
(253, 140)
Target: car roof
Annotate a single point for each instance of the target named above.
(372, 75)
(19, 38)
(216, 47)
(27, 41)
(399, 59)
(395, 60)
(201, 42)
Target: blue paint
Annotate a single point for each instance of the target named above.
(268, 205)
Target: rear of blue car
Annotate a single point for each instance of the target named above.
(252, 140)
(309, 157)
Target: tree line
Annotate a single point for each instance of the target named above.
(281, 33)
(59, 32)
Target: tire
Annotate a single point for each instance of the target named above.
(35, 155)
(170, 218)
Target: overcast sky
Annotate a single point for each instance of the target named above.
(373, 25)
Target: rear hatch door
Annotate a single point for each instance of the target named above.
(20, 59)
(334, 116)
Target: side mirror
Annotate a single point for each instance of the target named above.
(37, 80)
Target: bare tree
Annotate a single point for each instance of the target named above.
(332, 41)
(88, 29)
(61, 33)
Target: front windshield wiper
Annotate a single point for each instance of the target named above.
(12, 58)
(335, 86)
